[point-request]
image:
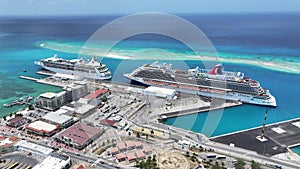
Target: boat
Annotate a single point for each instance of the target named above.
(7, 105)
(214, 83)
(77, 67)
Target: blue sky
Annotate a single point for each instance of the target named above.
(90, 7)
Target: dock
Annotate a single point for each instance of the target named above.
(198, 108)
(28, 78)
(48, 81)
(279, 137)
(21, 101)
(47, 73)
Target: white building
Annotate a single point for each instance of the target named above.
(51, 101)
(160, 92)
(75, 91)
(41, 128)
(54, 161)
(34, 149)
(184, 144)
(59, 117)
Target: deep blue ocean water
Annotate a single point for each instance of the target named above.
(255, 37)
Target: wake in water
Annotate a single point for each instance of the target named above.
(279, 63)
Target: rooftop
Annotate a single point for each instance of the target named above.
(41, 126)
(5, 141)
(84, 108)
(129, 144)
(96, 94)
(48, 95)
(34, 147)
(160, 90)
(121, 146)
(138, 144)
(140, 154)
(80, 133)
(52, 162)
(147, 149)
(114, 149)
(16, 119)
(120, 156)
(131, 156)
(57, 117)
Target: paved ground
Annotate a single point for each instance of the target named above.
(22, 159)
(279, 136)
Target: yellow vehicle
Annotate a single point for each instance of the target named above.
(14, 165)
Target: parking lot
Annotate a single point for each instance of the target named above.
(20, 160)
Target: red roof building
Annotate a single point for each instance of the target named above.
(81, 166)
(120, 157)
(114, 150)
(147, 150)
(140, 154)
(97, 94)
(79, 135)
(138, 144)
(129, 145)
(16, 121)
(131, 157)
(41, 128)
(121, 146)
(107, 122)
(7, 143)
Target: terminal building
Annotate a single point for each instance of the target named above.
(55, 161)
(35, 149)
(160, 92)
(79, 135)
(59, 118)
(41, 128)
(155, 91)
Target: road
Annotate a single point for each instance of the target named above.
(90, 160)
(226, 149)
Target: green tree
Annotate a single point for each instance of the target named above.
(187, 154)
(30, 107)
(255, 165)
(216, 167)
(223, 164)
(239, 164)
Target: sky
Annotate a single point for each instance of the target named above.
(91, 7)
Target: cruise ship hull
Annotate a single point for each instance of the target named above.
(226, 95)
(75, 73)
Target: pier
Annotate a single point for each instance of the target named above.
(28, 78)
(47, 73)
(48, 81)
(21, 101)
(196, 108)
(279, 137)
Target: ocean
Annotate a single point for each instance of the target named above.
(244, 42)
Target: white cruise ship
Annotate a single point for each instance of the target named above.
(78, 67)
(214, 83)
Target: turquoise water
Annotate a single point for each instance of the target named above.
(283, 63)
(265, 48)
(296, 149)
